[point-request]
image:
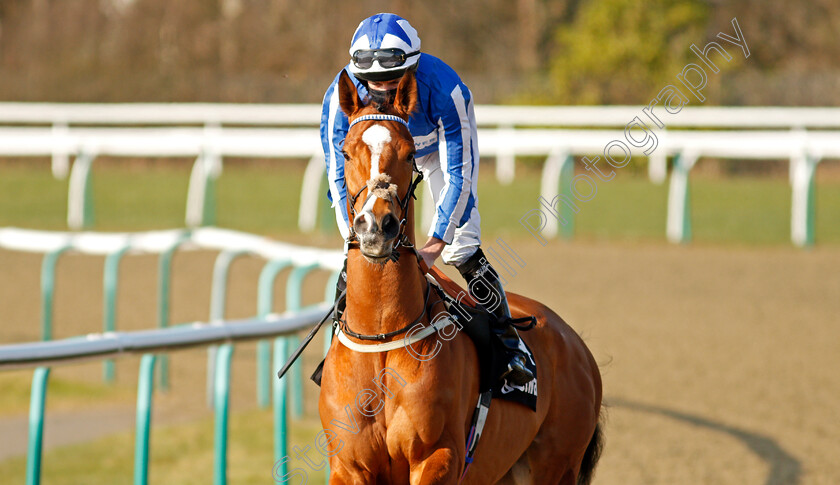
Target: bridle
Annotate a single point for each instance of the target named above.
(417, 177)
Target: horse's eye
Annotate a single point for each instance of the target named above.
(410, 158)
(346, 156)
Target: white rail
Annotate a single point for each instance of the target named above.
(156, 242)
(486, 115)
(100, 345)
(160, 114)
(506, 131)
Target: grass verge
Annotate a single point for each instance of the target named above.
(181, 454)
(264, 198)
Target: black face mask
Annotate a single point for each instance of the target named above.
(381, 98)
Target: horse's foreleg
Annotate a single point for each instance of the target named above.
(519, 473)
(441, 467)
(342, 475)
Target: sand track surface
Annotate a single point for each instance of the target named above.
(720, 364)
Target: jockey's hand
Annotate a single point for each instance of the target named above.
(431, 250)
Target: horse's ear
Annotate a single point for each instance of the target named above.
(405, 99)
(348, 97)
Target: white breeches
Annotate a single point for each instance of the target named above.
(467, 238)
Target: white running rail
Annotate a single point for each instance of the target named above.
(802, 136)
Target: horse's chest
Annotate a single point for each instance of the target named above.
(387, 419)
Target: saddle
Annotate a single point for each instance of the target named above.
(478, 324)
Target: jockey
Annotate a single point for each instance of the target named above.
(383, 48)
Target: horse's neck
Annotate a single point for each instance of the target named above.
(382, 299)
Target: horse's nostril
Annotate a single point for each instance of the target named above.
(365, 224)
(360, 223)
(390, 226)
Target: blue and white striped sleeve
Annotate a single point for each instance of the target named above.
(457, 157)
(334, 125)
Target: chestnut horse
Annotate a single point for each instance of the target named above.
(398, 420)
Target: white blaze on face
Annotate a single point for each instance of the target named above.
(376, 137)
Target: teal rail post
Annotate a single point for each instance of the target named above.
(145, 388)
(265, 304)
(222, 406)
(36, 425)
(802, 220)
(218, 303)
(201, 195)
(567, 175)
(678, 227)
(164, 298)
(281, 424)
(80, 193)
(555, 188)
(48, 268)
(294, 302)
(811, 219)
(111, 280)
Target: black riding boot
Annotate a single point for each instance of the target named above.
(490, 293)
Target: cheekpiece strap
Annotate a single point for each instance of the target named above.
(378, 117)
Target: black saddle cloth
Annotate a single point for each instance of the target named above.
(493, 357)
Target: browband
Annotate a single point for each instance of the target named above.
(378, 117)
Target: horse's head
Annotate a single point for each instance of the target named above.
(378, 168)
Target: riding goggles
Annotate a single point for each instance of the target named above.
(388, 58)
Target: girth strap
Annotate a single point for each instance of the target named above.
(479, 419)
